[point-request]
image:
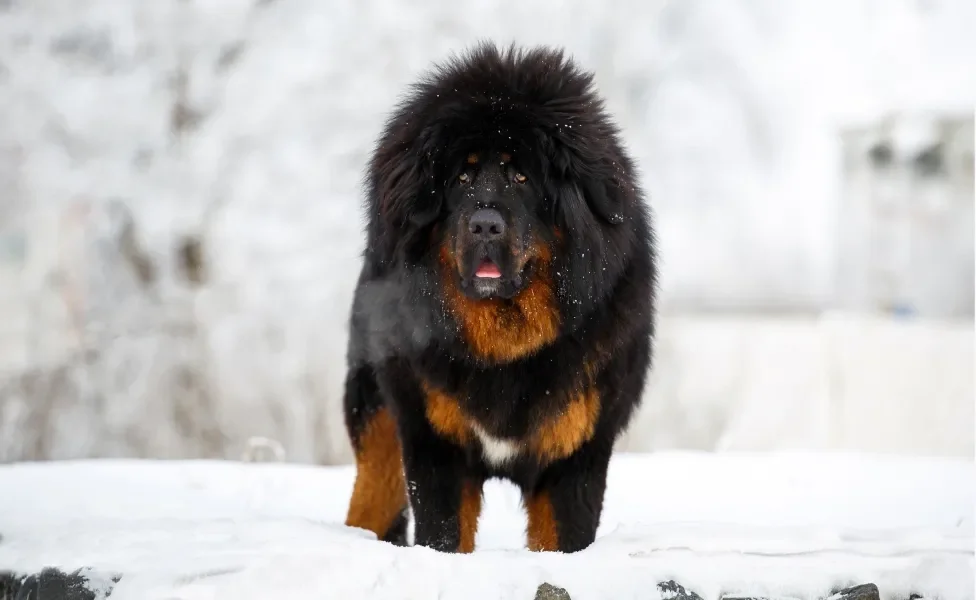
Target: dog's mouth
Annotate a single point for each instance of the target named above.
(489, 273)
(488, 270)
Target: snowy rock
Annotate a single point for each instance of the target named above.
(55, 584)
(740, 597)
(547, 591)
(674, 591)
(867, 591)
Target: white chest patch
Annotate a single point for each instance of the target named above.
(496, 451)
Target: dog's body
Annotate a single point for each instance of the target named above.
(503, 319)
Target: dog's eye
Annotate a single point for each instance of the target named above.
(520, 178)
(463, 177)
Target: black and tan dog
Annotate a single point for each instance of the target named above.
(503, 319)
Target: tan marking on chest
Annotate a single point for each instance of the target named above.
(503, 330)
(446, 417)
(557, 437)
(561, 435)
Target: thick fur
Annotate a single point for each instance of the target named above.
(533, 376)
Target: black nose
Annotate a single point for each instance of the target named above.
(487, 224)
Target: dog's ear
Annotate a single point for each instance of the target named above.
(427, 207)
(600, 191)
(404, 199)
(427, 197)
(572, 209)
(401, 183)
(604, 199)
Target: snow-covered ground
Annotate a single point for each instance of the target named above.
(792, 524)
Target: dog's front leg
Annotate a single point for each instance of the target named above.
(444, 496)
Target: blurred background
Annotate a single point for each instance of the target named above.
(180, 214)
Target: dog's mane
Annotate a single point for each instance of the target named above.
(547, 104)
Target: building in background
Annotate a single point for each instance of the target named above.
(906, 218)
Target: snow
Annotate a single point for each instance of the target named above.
(786, 523)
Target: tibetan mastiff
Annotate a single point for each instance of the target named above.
(503, 319)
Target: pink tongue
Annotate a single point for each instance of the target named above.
(488, 270)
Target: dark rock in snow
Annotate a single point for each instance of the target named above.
(547, 591)
(673, 591)
(54, 584)
(7, 582)
(867, 591)
(741, 597)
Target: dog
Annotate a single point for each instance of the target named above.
(502, 324)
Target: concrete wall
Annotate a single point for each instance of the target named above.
(720, 382)
(839, 381)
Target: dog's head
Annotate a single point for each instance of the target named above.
(495, 233)
(504, 166)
